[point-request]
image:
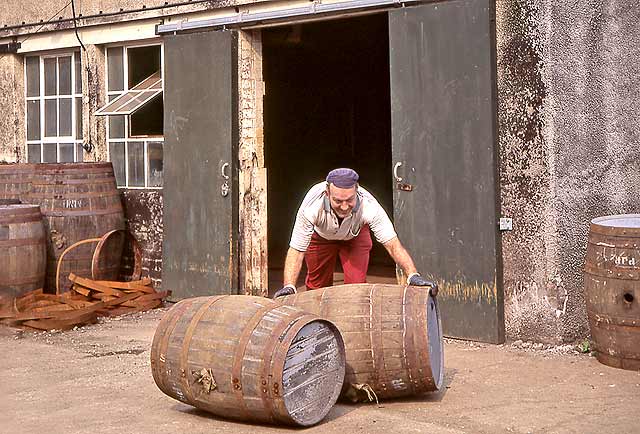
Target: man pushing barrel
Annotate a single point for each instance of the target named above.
(335, 220)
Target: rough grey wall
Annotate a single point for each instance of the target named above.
(591, 121)
(12, 109)
(14, 12)
(569, 84)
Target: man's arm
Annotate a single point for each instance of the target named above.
(292, 266)
(400, 256)
(403, 259)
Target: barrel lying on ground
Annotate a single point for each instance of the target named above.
(612, 289)
(22, 250)
(392, 335)
(249, 358)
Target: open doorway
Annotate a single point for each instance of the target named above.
(327, 105)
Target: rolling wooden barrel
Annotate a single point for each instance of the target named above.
(612, 289)
(78, 201)
(249, 358)
(15, 180)
(22, 250)
(392, 335)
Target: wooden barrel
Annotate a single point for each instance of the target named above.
(78, 201)
(612, 289)
(15, 180)
(249, 358)
(9, 202)
(392, 335)
(22, 250)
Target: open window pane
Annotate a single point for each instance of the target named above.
(33, 153)
(33, 76)
(66, 152)
(78, 118)
(64, 75)
(50, 153)
(65, 117)
(142, 62)
(50, 76)
(116, 156)
(154, 163)
(33, 120)
(78, 71)
(135, 164)
(51, 118)
(115, 68)
(79, 154)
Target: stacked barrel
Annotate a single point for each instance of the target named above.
(76, 202)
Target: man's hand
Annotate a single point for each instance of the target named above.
(286, 290)
(417, 280)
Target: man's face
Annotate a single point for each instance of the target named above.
(342, 199)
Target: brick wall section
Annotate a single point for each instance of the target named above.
(252, 182)
(143, 211)
(12, 108)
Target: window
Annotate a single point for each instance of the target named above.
(135, 115)
(54, 108)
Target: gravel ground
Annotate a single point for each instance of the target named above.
(97, 379)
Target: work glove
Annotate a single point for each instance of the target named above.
(417, 280)
(286, 290)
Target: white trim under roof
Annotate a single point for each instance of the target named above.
(313, 9)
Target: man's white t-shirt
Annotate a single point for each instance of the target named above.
(315, 214)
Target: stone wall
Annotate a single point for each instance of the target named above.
(569, 86)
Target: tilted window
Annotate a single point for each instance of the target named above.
(135, 115)
(54, 108)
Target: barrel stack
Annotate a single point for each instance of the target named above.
(78, 201)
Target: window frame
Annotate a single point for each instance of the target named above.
(42, 98)
(146, 140)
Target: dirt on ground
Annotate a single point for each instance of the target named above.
(97, 379)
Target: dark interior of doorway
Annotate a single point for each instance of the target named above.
(327, 105)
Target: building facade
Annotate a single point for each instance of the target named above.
(564, 107)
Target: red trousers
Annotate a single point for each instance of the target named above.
(321, 259)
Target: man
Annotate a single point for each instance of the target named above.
(335, 220)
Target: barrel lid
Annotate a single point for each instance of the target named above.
(620, 224)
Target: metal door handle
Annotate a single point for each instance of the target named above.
(395, 171)
(222, 170)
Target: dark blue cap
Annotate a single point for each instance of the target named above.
(343, 177)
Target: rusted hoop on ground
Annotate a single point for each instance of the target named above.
(71, 247)
(137, 254)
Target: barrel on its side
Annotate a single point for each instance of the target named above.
(612, 289)
(78, 201)
(15, 180)
(249, 358)
(22, 250)
(392, 335)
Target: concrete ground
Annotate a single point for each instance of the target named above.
(97, 379)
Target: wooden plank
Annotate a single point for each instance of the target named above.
(126, 285)
(80, 290)
(92, 284)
